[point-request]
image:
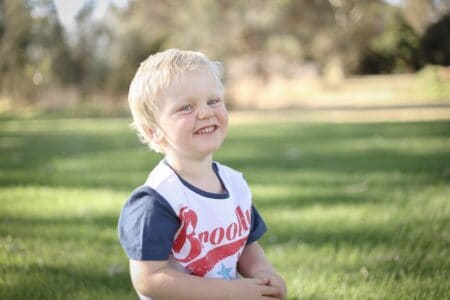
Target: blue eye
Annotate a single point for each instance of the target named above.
(186, 108)
(213, 101)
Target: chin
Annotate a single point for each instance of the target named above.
(208, 149)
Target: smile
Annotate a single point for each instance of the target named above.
(206, 130)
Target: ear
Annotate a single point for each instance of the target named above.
(155, 134)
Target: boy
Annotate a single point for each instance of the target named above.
(191, 227)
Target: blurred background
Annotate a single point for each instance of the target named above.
(340, 117)
(81, 55)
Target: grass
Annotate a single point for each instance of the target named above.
(355, 211)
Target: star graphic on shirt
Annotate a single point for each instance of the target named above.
(225, 272)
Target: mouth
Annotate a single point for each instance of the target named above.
(206, 130)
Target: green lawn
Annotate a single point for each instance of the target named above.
(355, 211)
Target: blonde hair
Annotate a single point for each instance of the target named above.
(155, 74)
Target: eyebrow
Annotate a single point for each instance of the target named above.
(193, 98)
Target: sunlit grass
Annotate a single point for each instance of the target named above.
(355, 211)
(59, 243)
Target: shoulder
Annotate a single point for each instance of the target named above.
(161, 176)
(143, 191)
(147, 225)
(143, 200)
(228, 171)
(167, 185)
(234, 180)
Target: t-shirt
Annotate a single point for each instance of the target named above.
(200, 233)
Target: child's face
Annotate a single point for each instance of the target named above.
(193, 116)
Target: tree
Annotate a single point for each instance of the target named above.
(32, 48)
(420, 14)
(395, 49)
(16, 25)
(436, 42)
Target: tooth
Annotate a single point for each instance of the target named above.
(207, 129)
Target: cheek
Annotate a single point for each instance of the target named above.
(185, 122)
(223, 116)
(226, 122)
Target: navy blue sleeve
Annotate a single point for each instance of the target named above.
(257, 228)
(147, 225)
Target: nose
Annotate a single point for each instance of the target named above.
(205, 113)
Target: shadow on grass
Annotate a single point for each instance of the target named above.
(41, 281)
(73, 160)
(347, 164)
(63, 258)
(116, 161)
(62, 229)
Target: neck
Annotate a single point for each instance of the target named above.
(191, 168)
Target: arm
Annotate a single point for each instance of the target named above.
(157, 279)
(254, 264)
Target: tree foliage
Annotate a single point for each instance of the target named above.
(33, 52)
(395, 49)
(263, 36)
(436, 42)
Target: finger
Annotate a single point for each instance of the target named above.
(263, 281)
(270, 291)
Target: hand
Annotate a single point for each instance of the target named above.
(252, 289)
(274, 281)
